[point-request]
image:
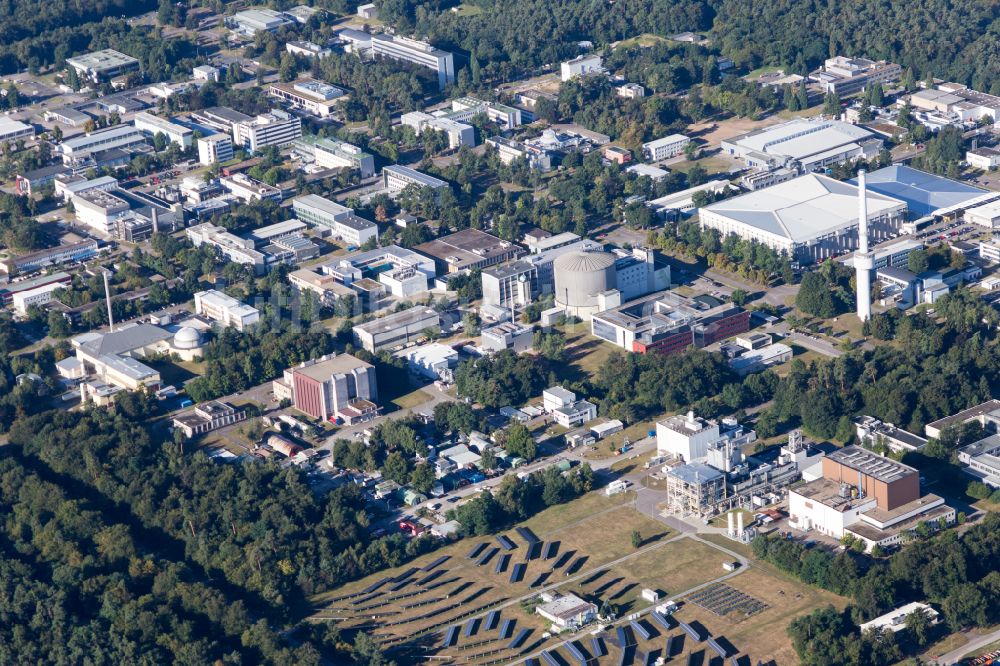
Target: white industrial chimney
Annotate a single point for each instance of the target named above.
(156, 219)
(739, 525)
(729, 520)
(863, 262)
(107, 297)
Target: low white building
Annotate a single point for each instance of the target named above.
(758, 360)
(983, 158)
(153, 125)
(225, 309)
(987, 215)
(665, 148)
(565, 409)
(582, 66)
(895, 620)
(568, 611)
(433, 361)
(205, 73)
(22, 300)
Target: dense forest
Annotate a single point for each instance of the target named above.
(951, 40)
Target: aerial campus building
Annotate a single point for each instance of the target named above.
(811, 217)
(329, 153)
(336, 388)
(341, 221)
(667, 323)
(846, 76)
(924, 193)
(106, 363)
(803, 145)
(102, 65)
(872, 498)
(314, 97)
(420, 53)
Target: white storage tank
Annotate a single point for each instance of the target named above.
(579, 278)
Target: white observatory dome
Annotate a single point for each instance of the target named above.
(187, 338)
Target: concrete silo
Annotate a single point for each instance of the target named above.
(579, 278)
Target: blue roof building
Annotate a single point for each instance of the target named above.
(923, 192)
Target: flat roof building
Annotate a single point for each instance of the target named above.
(12, 130)
(923, 193)
(276, 128)
(397, 178)
(668, 323)
(872, 498)
(468, 249)
(102, 65)
(61, 254)
(417, 52)
(113, 358)
(333, 154)
(228, 245)
(10, 289)
(120, 136)
(250, 21)
(691, 438)
(845, 76)
(584, 65)
(403, 272)
(312, 96)
(510, 284)
(153, 125)
(508, 335)
(811, 217)
(225, 309)
(248, 189)
(568, 611)
(340, 220)
(694, 486)
(872, 432)
(895, 620)
(396, 329)
(807, 145)
(215, 148)
(207, 417)
(338, 388)
(667, 147)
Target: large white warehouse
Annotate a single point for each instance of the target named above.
(808, 145)
(811, 217)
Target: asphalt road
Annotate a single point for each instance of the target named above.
(955, 656)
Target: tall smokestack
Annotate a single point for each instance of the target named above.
(107, 297)
(729, 521)
(739, 524)
(863, 262)
(156, 220)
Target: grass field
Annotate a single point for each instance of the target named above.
(713, 164)
(675, 567)
(644, 39)
(467, 10)
(411, 400)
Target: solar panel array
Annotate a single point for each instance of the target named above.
(723, 599)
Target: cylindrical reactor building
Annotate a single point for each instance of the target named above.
(579, 278)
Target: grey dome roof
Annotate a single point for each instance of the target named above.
(584, 262)
(187, 338)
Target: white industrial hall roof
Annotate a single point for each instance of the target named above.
(803, 208)
(802, 138)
